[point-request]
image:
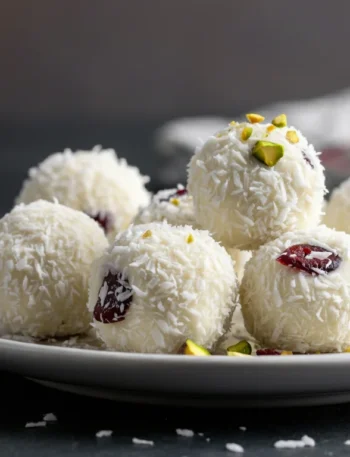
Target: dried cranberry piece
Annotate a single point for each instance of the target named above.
(178, 193)
(114, 299)
(267, 352)
(300, 256)
(181, 192)
(104, 219)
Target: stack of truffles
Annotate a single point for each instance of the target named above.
(87, 245)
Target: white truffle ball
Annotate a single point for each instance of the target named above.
(300, 302)
(338, 208)
(245, 203)
(96, 182)
(176, 207)
(46, 252)
(158, 285)
(172, 205)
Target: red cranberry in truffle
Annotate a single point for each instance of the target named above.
(104, 219)
(304, 257)
(114, 299)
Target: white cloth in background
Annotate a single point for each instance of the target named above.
(325, 121)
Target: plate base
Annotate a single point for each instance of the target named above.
(217, 401)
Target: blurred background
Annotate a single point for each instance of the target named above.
(113, 72)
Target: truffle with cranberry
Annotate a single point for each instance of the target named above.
(97, 182)
(253, 181)
(295, 292)
(159, 285)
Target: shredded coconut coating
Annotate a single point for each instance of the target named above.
(89, 181)
(244, 203)
(338, 208)
(240, 259)
(286, 308)
(180, 290)
(161, 209)
(46, 252)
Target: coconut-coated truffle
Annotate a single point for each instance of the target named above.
(252, 182)
(172, 205)
(96, 182)
(176, 207)
(46, 252)
(337, 210)
(295, 292)
(158, 285)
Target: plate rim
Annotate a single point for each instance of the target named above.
(174, 359)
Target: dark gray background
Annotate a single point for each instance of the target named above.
(79, 73)
(122, 60)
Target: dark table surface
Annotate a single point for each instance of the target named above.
(79, 418)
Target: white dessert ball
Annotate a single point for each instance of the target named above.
(158, 285)
(96, 182)
(176, 207)
(252, 182)
(338, 208)
(172, 205)
(295, 292)
(46, 252)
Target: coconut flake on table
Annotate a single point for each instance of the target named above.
(50, 417)
(35, 424)
(234, 447)
(143, 442)
(104, 433)
(293, 444)
(347, 442)
(243, 429)
(185, 432)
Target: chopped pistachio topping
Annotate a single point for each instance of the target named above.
(280, 120)
(246, 133)
(292, 136)
(286, 353)
(270, 128)
(147, 234)
(232, 123)
(190, 238)
(254, 118)
(192, 348)
(175, 201)
(243, 347)
(237, 354)
(267, 152)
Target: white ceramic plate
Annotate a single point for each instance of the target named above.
(175, 379)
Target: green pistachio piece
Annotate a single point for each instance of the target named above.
(246, 133)
(280, 121)
(242, 347)
(267, 152)
(192, 348)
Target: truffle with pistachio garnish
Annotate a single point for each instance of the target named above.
(254, 181)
